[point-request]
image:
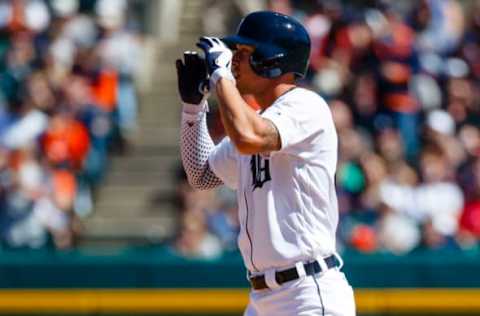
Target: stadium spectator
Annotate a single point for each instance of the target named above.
(223, 219)
(193, 238)
(470, 219)
(59, 103)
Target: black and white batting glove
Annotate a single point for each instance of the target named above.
(218, 58)
(192, 79)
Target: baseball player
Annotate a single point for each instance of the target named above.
(280, 160)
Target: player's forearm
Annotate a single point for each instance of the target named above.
(195, 148)
(242, 124)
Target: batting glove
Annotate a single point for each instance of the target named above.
(219, 59)
(192, 78)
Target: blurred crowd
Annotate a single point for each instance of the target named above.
(402, 79)
(67, 100)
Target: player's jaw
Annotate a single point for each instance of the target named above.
(239, 57)
(242, 71)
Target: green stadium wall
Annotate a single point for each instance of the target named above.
(152, 280)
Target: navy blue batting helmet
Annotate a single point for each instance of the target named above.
(281, 43)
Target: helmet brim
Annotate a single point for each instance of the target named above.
(233, 40)
(265, 50)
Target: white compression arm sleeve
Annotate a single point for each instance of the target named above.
(196, 146)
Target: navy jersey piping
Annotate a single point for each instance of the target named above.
(248, 232)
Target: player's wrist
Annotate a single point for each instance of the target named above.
(194, 109)
(220, 73)
(194, 112)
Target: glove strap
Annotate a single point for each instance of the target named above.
(192, 111)
(220, 73)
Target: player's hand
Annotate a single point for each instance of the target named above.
(192, 78)
(218, 58)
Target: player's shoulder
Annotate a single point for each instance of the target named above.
(302, 100)
(302, 95)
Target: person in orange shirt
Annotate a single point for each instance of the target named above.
(66, 142)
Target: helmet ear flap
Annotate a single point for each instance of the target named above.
(266, 67)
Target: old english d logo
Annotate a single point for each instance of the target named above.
(260, 171)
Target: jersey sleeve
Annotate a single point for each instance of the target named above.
(298, 117)
(223, 161)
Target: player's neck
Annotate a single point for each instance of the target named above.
(266, 99)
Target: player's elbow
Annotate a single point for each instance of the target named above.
(198, 184)
(247, 144)
(257, 138)
(246, 149)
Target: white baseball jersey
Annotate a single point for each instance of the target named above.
(287, 200)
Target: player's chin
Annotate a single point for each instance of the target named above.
(242, 88)
(235, 73)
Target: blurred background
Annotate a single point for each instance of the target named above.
(96, 216)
